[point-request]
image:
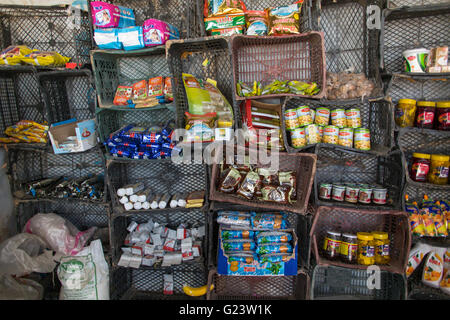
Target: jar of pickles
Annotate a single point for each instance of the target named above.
(405, 112)
(439, 169)
(349, 248)
(366, 248)
(331, 245)
(381, 240)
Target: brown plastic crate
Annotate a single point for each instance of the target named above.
(263, 58)
(395, 223)
(303, 164)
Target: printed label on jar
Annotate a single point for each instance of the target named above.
(338, 194)
(365, 195)
(441, 172)
(444, 119)
(349, 249)
(421, 171)
(290, 117)
(304, 116)
(379, 196)
(425, 118)
(332, 245)
(325, 191)
(368, 251)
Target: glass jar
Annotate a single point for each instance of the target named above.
(443, 115)
(425, 114)
(439, 169)
(381, 240)
(366, 248)
(331, 245)
(405, 112)
(349, 248)
(420, 166)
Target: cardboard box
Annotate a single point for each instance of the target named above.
(83, 133)
(288, 268)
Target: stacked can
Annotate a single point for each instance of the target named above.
(353, 193)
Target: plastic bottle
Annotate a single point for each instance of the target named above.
(164, 201)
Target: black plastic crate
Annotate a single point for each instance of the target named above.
(160, 176)
(377, 116)
(68, 94)
(59, 28)
(20, 97)
(112, 68)
(410, 28)
(337, 283)
(336, 165)
(393, 4)
(300, 223)
(189, 56)
(25, 165)
(180, 13)
(148, 284)
(417, 190)
(424, 140)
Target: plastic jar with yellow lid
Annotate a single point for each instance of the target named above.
(405, 112)
(366, 248)
(381, 240)
(439, 169)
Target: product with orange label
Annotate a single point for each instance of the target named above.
(168, 89)
(239, 245)
(416, 255)
(155, 86)
(257, 23)
(237, 234)
(140, 91)
(433, 270)
(123, 94)
(415, 218)
(271, 236)
(445, 282)
(284, 20)
(268, 248)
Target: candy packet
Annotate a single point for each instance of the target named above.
(155, 86)
(249, 185)
(231, 181)
(123, 94)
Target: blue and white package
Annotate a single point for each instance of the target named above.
(126, 17)
(107, 39)
(132, 38)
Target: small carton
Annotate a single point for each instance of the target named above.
(73, 136)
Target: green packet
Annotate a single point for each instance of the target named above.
(224, 22)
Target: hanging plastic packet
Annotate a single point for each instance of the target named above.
(13, 55)
(267, 237)
(256, 22)
(238, 245)
(123, 95)
(237, 234)
(284, 20)
(267, 248)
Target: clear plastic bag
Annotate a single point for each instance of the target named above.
(19, 289)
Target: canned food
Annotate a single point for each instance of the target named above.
(312, 134)
(304, 116)
(338, 118)
(322, 116)
(325, 191)
(321, 133)
(298, 138)
(365, 194)
(330, 134)
(291, 119)
(346, 137)
(362, 139)
(313, 114)
(338, 192)
(379, 195)
(353, 118)
(351, 193)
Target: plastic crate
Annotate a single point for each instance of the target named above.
(375, 116)
(302, 163)
(349, 43)
(337, 283)
(68, 94)
(112, 68)
(160, 176)
(301, 224)
(336, 165)
(258, 288)
(25, 165)
(411, 28)
(394, 4)
(344, 220)
(147, 284)
(264, 58)
(204, 58)
(20, 97)
(417, 190)
(179, 13)
(59, 28)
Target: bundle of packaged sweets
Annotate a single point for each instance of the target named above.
(254, 183)
(137, 197)
(277, 87)
(142, 142)
(250, 237)
(429, 218)
(86, 187)
(145, 94)
(160, 245)
(116, 28)
(16, 55)
(436, 271)
(26, 131)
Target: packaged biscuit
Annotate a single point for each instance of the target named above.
(45, 58)
(242, 256)
(140, 91)
(237, 234)
(267, 248)
(274, 257)
(123, 94)
(225, 22)
(227, 32)
(271, 236)
(239, 245)
(268, 221)
(223, 7)
(234, 218)
(284, 20)
(256, 23)
(13, 55)
(155, 86)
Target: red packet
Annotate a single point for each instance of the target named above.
(123, 94)
(155, 86)
(140, 91)
(168, 89)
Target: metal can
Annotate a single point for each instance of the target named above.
(291, 119)
(330, 135)
(362, 139)
(338, 192)
(298, 138)
(379, 195)
(338, 118)
(321, 133)
(325, 191)
(365, 194)
(304, 116)
(346, 137)
(322, 116)
(312, 134)
(351, 193)
(353, 118)
(313, 114)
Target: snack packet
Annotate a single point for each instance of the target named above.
(227, 32)
(123, 94)
(267, 248)
(140, 91)
(223, 7)
(237, 234)
(416, 255)
(239, 245)
(271, 236)
(445, 209)
(13, 55)
(231, 181)
(276, 194)
(433, 270)
(445, 283)
(155, 86)
(268, 221)
(168, 91)
(249, 185)
(288, 182)
(274, 257)
(247, 257)
(45, 58)
(200, 128)
(284, 20)
(225, 22)
(256, 22)
(234, 218)
(415, 219)
(427, 215)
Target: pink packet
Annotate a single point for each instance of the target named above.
(105, 15)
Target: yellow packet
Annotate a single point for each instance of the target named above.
(9, 140)
(34, 124)
(45, 58)
(13, 55)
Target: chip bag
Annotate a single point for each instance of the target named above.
(168, 92)
(13, 55)
(140, 91)
(257, 23)
(155, 86)
(123, 94)
(200, 128)
(284, 20)
(45, 58)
